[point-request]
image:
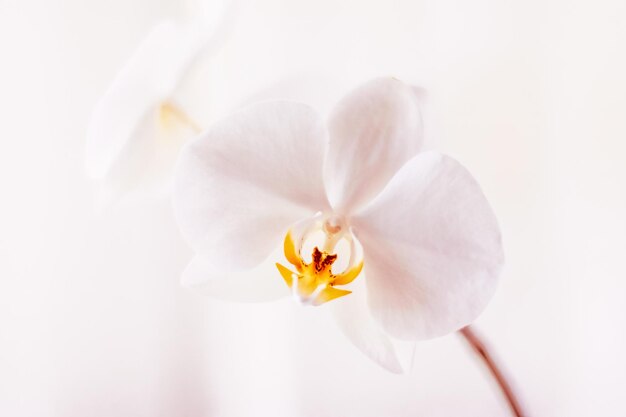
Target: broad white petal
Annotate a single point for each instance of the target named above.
(262, 283)
(148, 79)
(374, 130)
(354, 319)
(241, 185)
(432, 248)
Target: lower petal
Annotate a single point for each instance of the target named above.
(255, 285)
(353, 318)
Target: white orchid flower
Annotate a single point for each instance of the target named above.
(353, 201)
(137, 128)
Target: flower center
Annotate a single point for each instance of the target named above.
(314, 283)
(171, 116)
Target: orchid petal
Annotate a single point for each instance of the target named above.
(256, 285)
(355, 321)
(241, 185)
(138, 91)
(373, 132)
(432, 249)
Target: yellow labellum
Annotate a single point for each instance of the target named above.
(314, 283)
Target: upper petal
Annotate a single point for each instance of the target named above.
(239, 186)
(148, 78)
(432, 248)
(374, 130)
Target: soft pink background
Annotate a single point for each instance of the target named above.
(530, 96)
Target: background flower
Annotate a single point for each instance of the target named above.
(139, 125)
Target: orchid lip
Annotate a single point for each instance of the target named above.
(314, 282)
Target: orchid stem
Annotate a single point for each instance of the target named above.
(478, 345)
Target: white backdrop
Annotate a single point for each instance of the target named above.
(530, 96)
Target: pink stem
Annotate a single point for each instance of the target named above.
(479, 347)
